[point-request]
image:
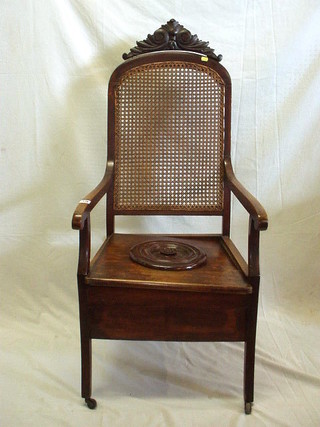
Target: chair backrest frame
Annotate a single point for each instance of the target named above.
(191, 58)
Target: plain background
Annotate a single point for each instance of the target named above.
(56, 58)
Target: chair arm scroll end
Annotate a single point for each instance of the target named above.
(80, 214)
(78, 219)
(261, 222)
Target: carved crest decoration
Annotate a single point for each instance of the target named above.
(172, 36)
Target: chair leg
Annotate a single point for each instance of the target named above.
(250, 348)
(249, 356)
(86, 371)
(86, 351)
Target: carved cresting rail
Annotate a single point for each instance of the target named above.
(172, 36)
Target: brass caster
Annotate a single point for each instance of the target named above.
(247, 408)
(91, 403)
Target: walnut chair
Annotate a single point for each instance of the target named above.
(169, 117)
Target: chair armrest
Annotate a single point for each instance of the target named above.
(249, 202)
(86, 205)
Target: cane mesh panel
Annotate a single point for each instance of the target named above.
(169, 129)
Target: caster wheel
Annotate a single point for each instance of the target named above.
(91, 403)
(247, 408)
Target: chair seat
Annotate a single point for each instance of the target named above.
(112, 267)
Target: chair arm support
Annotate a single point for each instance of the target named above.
(249, 202)
(86, 205)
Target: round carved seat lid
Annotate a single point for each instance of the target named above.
(167, 255)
